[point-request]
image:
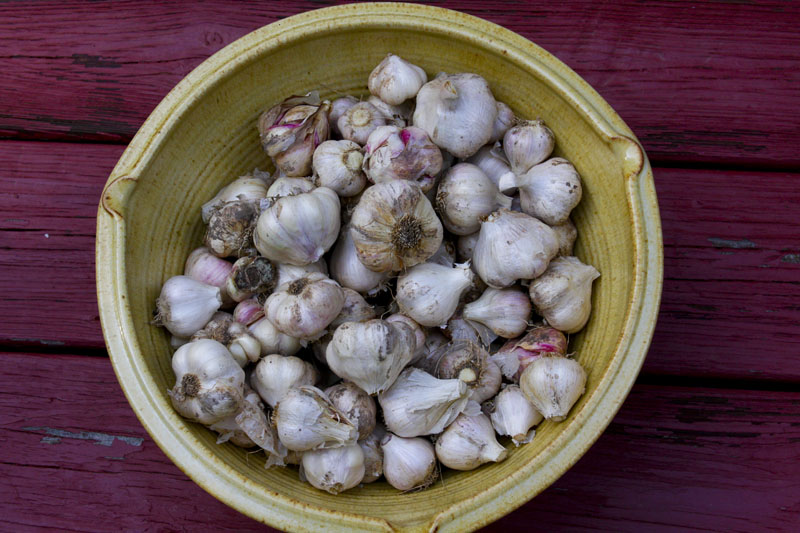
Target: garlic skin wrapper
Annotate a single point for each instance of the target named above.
(395, 80)
(356, 404)
(513, 415)
(288, 273)
(553, 384)
(249, 276)
(230, 229)
(408, 463)
(247, 188)
(468, 443)
(470, 363)
(203, 266)
(465, 246)
(186, 305)
(409, 154)
(419, 333)
(563, 294)
(307, 420)
(349, 271)
(335, 470)
(355, 309)
(457, 111)
(394, 227)
(512, 246)
(305, 307)
(527, 144)
(419, 404)
(549, 191)
(504, 120)
(299, 229)
(373, 454)
(337, 165)
(209, 384)
(359, 121)
(295, 161)
(278, 126)
(289, 187)
(429, 293)
(492, 161)
(272, 340)
(504, 311)
(338, 108)
(566, 233)
(460, 329)
(396, 115)
(371, 354)
(465, 196)
(275, 374)
(516, 354)
(248, 311)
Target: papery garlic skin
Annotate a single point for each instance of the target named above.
(419, 333)
(566, 233)
(396, 115)
(468, 443)
(186, 305)
(373, 454)
(338, 108)
(355, 309)
(409, 154)
(307, 420)
(305, 307)
(286, 186)
(288, 273)
(516, 354)
(563, 294)
(295, 161)
(512, 246)
(492, 161)
(429, 358)
(246, 188)
(337, 165)
(349, 271)
(359, 121)
(278, 126)
(465, 196)
(356, 404)
(457, 111)
(248, 311)
(250, 276)
(470, 363)
(513, 415)
(275, 374)
(408, 463)
(334, 470)
(504, 311)
(553, 384)
(505, 119)
(527, 144)
(550, 190)
(459, 328)
(230, 229)
(271, 339)
(445, 255)
(395, 80)
(299, 229)
(429, 293)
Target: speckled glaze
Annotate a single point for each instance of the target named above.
(204, 134)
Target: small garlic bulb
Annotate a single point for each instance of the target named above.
(419, 333)
(307, 420)
(186, 305)
(465, 246)
(288, 273)
(429, 293)
(230, 229)
(337, 165)
(553, 384)
(250, 276)
(548, 191)
(373, 454)
(295, 161)
(278, 126)
(248, 311)
(338, 108)
(566, 233)
(513, 415)
(409, 154)
(305, 307)
(299, 229)
(272, 341)
(247, 188)
(419, 404)
(285, 186)
(356, 404)
(408, 463)
(209, 384)
(395, 80)
(516, 354)
(504, 120)
(465, 196)
(334, 470)
(394, 227)
(468, 443)
(233, 335)
(470, 363)
(355, 309)
(202, 265)
(457, 111)
(371, 354)
(349, 271)
(396, 115)
(493, 162)
(275, 374)
(504, 311)
(527, 144)
(359, 121)
(563, 294)
(512, 246)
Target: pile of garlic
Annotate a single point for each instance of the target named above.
(343, 302)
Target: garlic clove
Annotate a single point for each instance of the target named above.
(356, 404)
(566, 233)
(250, 188)
(550, 190)
(395, 80)
(563, 294)
(230, 229)
(288, 273)
(272, 340)
(305, 307)
(429, 293)
(251, 276)
(350, 272)
(465, 196)
(286, 186)
(359, 121)
(513, 415)
(337, 165)
(338, 108)
(553, 384)
(373, 454)
(408, 463)
(504, 311)
(396, 115)
(275, 374)
(527, 144)
(468, 443)
(516, 354)
(334, 470)
(307, 420)
(408, 154)
(248, 311)
(505, 119)
(185, 305)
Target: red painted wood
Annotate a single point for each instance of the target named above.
(712, 81)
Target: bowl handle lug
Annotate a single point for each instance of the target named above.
(631, 155)
(115, 195)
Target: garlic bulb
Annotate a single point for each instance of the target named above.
(395, 80)
(563, 294)
(396, 115)
(394, 227)
(275, 374)
(356, 404)
(355, 309)
(429, 293)
(527, 144)
(250, 276)
(334, 470)
(371, 354)
(209, 384)
(457, 111)
(470, 363)
(515, 355)
(504, 120)
(419, 404)
(247, 188)
(305, 307)
(419, 334)
(409, 154)
(288, 273)
(553, 384)
(307, 420)
(338, 108)
(459, 328)
(465, 246)
(493, 162)
(337, 165)
(504, 311)
(513, 415)
(512, 246)
(186, 305)
(289, 187)
(465, 196)
(373, 454)
(349, 271)
(230, 229)
(272, 340)
(548, 191)
(408, 463)
(359, 121)
(278, 126)
(233, 335)
(468, 443)
(295, 160)
(299, 229)
(566, 233)
(248, 311)
(203, 266)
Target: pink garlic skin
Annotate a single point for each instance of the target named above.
(537, 342)
(392, 153)
(248, 311)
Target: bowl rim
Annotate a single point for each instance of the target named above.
(278, 510)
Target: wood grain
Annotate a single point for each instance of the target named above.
(697, 82)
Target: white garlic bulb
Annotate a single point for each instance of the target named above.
(465, 196)
(355, 309)
(249, 188)
(186, 305)
(457, 111)
(271, 339)
(209, 384)
(553, 383)
(408, 463)
(285, 186)
(338, 108)
(299, 229)
(275, 374)
(527, 144)
(512, 246)
(395, 80)
(468, 443)
(493, 162)
(371, 354)
(397, 115)
(504, 120)
(420, 404)
(409, 154)
(334, 470)
(356, 404)
(359, 121)
(373, 454)
(288, 273)
(465, 246)
(566, 233)
(337, 165)
(563, 294)
(548, 191)
(513, 415)
(305, 307)
(230, 229)
(203, 266)
(349, 271)
(429, 293)
(504, 311)
(394, 227)
(419, 333)
(307, 420)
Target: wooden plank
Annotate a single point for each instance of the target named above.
(696, 81)
(673, 458)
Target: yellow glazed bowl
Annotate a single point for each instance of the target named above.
(204, 134)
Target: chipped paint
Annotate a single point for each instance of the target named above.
(104, 439)
(791, 258)
(728, 243)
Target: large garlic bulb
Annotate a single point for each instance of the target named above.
(359, 121)
(429, 293)
(249, 188)
(563, 294)
(337, 165)
(395, 80)
(295, 160)
(307, 420)
(186, 305)
(334, 470)
(275, 374)
(468, 443)
(553, 384)
(230, 229)
(465, 196)
(549, 191)
(271, 339)
(408, 463)
(202, 265)
(527, 144)
(513, 415)
(349, 271)
(504, 311)
(409, 154)
(305, 307)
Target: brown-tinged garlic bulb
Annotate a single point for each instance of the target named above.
(419, 333)
(548, 191)
(248, 311)
(504, 311)
(356, 404)
(285, 186)
(468, 443)
(553, 384)
(465, 246)
(512, 246)
(295, 161)
(337, 165)
(186, 305)
(527, 144)
(409, 154)
(429, 293)
(275, 374)
(288, 273)
(355, 309)
(373, 454)
(566, 233)
(203, 266)
(250, 188)
(233, 335)
(349, 271)
(395, 80)
(460, 329)
(271, 339)
(516, 354)
(408, 463)
(278, 127)
(470, 363)
(465, 196)
(492, 161)
(430, 356)
(359, 121)
(513, 415)
(334, 470)
(230, 229)
(396, 115)
(394, 227)
(250, 276)
(563, 294)
(504, 120)
(457, 111)
(338, 108)
(307, 420)
(305, 307)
